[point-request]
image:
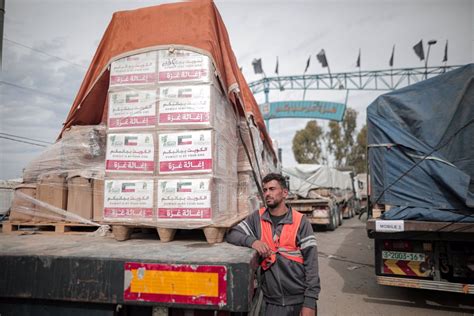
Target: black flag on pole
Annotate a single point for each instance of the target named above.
(321, 56)
(390, 62)
(307, 64)
(276, 67)
(418, 48)
(257, 66)
(445, 58)
(358, 60)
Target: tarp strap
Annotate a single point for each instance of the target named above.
(432, 158)
(382, 145)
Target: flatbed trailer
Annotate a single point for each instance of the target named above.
(426, 255)
(60, 274)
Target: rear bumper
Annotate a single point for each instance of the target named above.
(426, 284)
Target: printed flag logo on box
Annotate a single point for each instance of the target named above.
(185, 140)
(128, 187)
(184, 186)
(131, 140)
(185, 93)
(131, 98)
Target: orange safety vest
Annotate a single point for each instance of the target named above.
(285, 244)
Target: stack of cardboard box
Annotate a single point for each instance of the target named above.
(171, 142)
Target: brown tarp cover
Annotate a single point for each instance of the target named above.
(196, 24)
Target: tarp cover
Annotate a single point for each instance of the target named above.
(434, 119)
(193, 25)
(305, 177)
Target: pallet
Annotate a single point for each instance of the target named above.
(214, 233)
(58, 228)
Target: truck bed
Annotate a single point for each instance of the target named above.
(71, 268)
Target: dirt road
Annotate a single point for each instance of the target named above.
(346, 260)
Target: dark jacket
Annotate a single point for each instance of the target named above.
(286, 282)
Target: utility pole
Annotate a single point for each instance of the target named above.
(2, 13)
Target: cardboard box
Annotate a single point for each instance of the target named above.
(97, 199)
(139, 69)
(130, 153)
(194, 107)
(79, 199)
(20, 206)
(132, 108)
(177, 65)
(199, 151)
(191, 199)
(52, 190)
(129, 200)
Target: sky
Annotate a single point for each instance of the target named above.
(48, 45)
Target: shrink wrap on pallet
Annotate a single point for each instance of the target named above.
(187, 202)
(254, 145)
(248, 199)
(129, 200)
(21, 209)
(81, 147)
(139, 69)
(132, 153)
(200, 151)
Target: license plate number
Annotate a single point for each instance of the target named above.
(404, 256)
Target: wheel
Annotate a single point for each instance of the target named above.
(333, 220)
(340, 218)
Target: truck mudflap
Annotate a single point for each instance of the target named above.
(426, 284)
(175, 283)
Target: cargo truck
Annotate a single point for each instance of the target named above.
(421, 200)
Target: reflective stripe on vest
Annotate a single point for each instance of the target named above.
(285, 244)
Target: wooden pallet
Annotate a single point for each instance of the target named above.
(58, 227)
(214, 233)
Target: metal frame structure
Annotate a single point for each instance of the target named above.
(389, 79)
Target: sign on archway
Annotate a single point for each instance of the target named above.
(304, 109)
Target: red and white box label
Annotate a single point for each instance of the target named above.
(184, 104)
(128, 199)
(132, 109)
(184, 199)
(183, 65)
(130, 153)
(140, 69)
(185, 152)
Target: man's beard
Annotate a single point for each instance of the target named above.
(273, 204)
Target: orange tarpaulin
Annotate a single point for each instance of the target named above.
(195, 25)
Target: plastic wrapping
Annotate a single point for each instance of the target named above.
(202, 151)
(248, 199)
(254, 145)
(81, 147)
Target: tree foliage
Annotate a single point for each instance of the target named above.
(307, 143)
(340, 139)
(358, 157)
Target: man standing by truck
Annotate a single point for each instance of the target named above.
(287, 246)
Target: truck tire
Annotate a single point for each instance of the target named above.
(340, 217)
(333, 220)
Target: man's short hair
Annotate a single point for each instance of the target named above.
(278, 177)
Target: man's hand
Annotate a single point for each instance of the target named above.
(306, 311)
(262, 248)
